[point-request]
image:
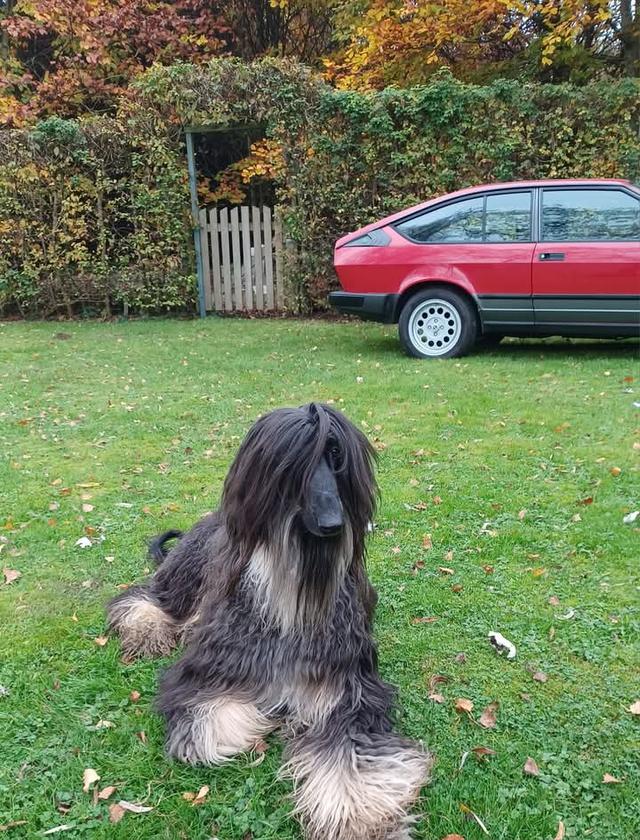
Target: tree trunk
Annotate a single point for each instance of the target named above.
(630, 36)
(4, 35)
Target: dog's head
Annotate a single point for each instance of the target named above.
(309, 467)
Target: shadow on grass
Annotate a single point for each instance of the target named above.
(519, 348)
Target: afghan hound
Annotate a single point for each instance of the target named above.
(271, 598)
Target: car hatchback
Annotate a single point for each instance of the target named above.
(530, 258)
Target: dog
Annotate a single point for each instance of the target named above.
(271, 598)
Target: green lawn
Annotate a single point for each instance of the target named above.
(504, 458)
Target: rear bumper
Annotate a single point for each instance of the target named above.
(369, 307)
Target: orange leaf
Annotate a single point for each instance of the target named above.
(531, 768)
(608, 779)
(488, 716)
(463, 705)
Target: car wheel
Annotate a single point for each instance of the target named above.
(438, 324)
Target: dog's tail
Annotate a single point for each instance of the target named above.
(157, 550)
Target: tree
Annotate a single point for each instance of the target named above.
(402, 42)
(71, 56)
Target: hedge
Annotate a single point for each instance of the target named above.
(94, 214)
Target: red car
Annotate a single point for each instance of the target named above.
(530, 258)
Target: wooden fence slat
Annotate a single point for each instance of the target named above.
(226, 259)
(238, 302)
(206, 261)
(279, 269)
(214, 239)
(268, 258)
(246, 257)
(257, 257)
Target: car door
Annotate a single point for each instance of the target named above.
(483, 243)
(586, 267)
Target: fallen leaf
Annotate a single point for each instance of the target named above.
(466, 810)
(101, 641)
(445, 570)
(482, 752)
(11, 575)
(561, 831)
(608, 779)
(453, 837)
(576, 518)
(414, 482)
(12, 824)
(424, 619)
(539, 572)
(531, 768)
(104, 724)
(457, 587)
(134, 808)
(488, 716)
(89, 777)
(87, 508)
(461, 657)
(427, 542)
(587, 501)
(142, 736)
(522, 514)
(488, 570)
(134, 696)
(554, 601)
(201, 795)
(463, 705)
(615, 471)
(58, 829)
(84, 542)
(437, 500)
(448, 556)
(106, 792)
(116, 813)
(634, 708)
(540, 676)
(435, 697)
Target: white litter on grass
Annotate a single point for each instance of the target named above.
(84, 542)
(501, 644)
(631, 517)
(567, 616)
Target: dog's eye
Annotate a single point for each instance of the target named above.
(335, 456)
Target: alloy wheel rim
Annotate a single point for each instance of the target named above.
(435, 327)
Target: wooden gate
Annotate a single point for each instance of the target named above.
(242, 259)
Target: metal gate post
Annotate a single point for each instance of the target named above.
(193, 187)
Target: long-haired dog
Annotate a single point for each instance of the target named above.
(271, 597)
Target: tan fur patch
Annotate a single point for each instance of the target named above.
(218, 730)
(144, 628)
(349, 795)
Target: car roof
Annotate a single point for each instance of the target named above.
(492, 187)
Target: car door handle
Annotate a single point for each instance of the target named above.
(551, 256)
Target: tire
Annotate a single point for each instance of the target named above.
(438, 323)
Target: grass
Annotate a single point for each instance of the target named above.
(496, 457)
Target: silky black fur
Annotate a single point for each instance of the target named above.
(300, 656)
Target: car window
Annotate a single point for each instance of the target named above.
(458, 222)
(508, 217)
(589, 215)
